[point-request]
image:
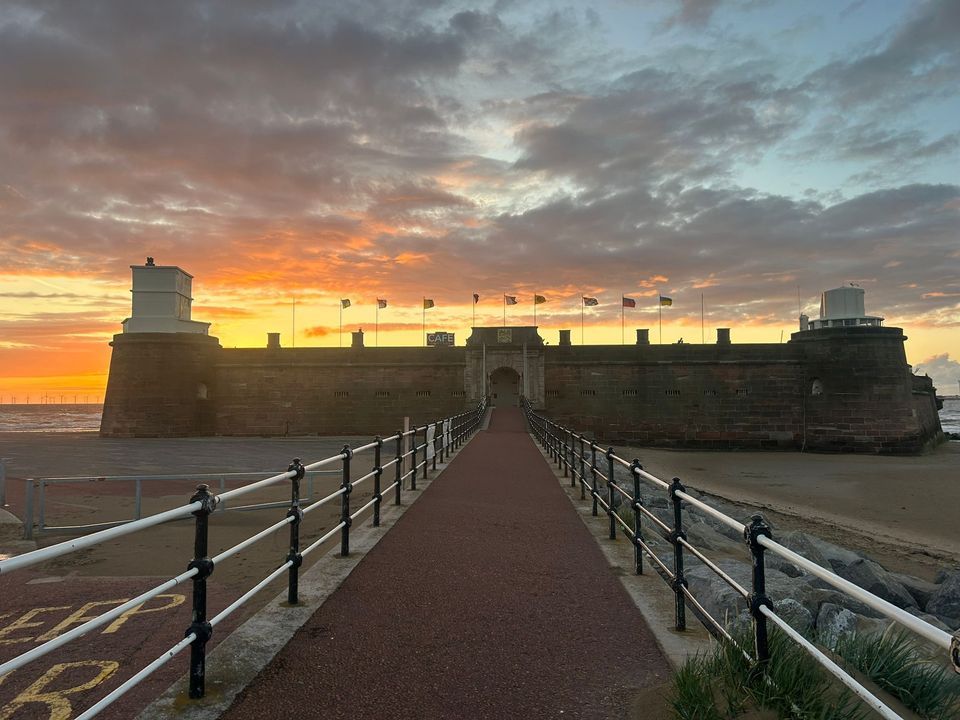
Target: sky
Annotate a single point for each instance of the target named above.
(751, 153)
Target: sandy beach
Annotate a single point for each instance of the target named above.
(899, 510)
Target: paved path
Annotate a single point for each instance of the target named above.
(489, 599)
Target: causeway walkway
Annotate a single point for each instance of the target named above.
(488, 599)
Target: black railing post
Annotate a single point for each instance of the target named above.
(413, 443)
(593, 472)
(635, 468)
(566, 453)
(610, 492)
(377, 473)
(204, 566)
(752, 534)
(583, 470)
(443, 439)
(434, 444)
(398, 465)
(573, 463)
(294, 557)
(679, 581)
(347, 488)
(426, 452)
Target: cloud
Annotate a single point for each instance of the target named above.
(944, 371)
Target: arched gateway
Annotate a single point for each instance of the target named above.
(505, 387)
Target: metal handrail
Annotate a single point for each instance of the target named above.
(203, 504)
(757, 536)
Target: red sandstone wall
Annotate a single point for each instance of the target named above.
(155, 385)
(333, 392)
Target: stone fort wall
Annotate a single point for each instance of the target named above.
(846, 389)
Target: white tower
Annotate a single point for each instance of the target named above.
(161, 301)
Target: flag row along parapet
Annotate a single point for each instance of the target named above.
(428, 303)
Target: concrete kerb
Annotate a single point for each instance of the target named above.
(651, 595)
(236, 661)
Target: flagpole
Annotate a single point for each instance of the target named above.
(621, 318)
(474, 313)
(701, 318)
(534, 309)
(660, 309)
(581, 319)
(293, 325)
(376, 325)
(423, 323)
(341, 323)
(504, 309)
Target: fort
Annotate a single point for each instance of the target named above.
(841, 383)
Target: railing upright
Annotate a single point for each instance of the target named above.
(679, 581)
(434, 465)
(613, 521)
(377, 473)
(3, 482)
(413, 447)
(199, 627)
(294, 557)
(635, 468)
(137, 499)
(572, 462)
(583, 470)
(754, 531)
(593, 471)
(347, 488)
(398, 466)
(426, 451)
(42, 502)
(28, 510)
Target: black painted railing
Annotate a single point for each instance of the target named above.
(414, 455)
(587, 464)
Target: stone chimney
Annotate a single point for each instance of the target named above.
(643, 336)
(723, 336)
(357, 339)
(273, 341)
(565, 337)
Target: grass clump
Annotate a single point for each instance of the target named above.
(892, 661)
(724, 685)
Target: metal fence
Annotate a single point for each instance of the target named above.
(427, 444)
(35, 497)
(594, 468)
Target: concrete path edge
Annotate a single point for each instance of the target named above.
(240, 657)
(651, 595)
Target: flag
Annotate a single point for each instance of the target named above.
(590, 302)
(664, 300)
(476, 298)
(539, 299)
(381, 304)
(629, 302)
(510, 299)
(427, 303)
(344, 303)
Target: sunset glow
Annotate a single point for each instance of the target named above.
(754, 154)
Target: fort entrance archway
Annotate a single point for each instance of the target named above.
(505, 387)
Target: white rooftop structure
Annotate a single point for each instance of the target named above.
(841, 307)
(161, 301)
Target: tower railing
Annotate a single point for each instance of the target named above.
(576, 456)
(413, 454)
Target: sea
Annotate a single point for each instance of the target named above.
(86, 417)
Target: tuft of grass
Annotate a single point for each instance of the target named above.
(892, 661)
(725, 685)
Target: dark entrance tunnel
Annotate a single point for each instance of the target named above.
(505, 387)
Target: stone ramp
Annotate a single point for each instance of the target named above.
(488, 599)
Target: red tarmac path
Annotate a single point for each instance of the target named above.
(489, 599)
